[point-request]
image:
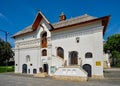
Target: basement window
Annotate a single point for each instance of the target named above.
(22, 38)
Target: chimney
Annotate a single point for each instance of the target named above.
(62, 17)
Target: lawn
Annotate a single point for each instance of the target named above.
(8, 69)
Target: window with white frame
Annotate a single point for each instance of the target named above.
(28, 58)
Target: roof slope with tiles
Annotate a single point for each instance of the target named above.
(72, 21)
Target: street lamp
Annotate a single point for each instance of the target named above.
(6, 34)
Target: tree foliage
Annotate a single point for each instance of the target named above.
(113, 46)
(112, 43)
(5, 52)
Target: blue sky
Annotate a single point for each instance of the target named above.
(17, 14)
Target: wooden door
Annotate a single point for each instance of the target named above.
(73, 58)
(24, 68)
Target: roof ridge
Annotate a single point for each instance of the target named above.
(75, 18)
(71, 21)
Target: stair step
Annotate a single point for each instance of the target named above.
(41, 75)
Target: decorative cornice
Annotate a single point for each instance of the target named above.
(28, 44)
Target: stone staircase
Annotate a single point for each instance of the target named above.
(57, 61)
(74, 73)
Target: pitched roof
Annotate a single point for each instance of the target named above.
(56, 26)
(78, 21)
(25, 30)
(72, 21)
(32, 27)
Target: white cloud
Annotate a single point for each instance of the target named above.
(5, 18)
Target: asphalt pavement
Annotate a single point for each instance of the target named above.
(112, 78)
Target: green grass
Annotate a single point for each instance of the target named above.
(118, 64)
(8, 68)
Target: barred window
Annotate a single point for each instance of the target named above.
(88, 55)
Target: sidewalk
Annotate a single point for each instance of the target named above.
(17, 74)
(112, 73)
(112, 69)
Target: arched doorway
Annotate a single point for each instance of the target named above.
(73, 57)
(88, 69)
(24, 68)
(34, 71)
(45, 68)
(44, 40)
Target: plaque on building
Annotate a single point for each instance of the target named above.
(98, 63)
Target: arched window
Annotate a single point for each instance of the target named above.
(28, 58)
(60, 52)
(44, 40)
(44, 52)
(88, 55)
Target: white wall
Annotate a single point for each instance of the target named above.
(28, 45)
(90, 41)
(20, 59)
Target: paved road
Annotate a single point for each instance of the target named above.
(113, 73)
(10, 79)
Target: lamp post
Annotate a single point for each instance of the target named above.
(6, 34)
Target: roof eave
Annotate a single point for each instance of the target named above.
(22, 34)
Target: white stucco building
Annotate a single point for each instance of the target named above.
(67, 44)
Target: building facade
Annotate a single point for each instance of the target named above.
(76, 42)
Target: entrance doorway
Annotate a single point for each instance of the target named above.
(88, 69)
(34, 71)
(24, 68)
(45, 68)
(73, 58)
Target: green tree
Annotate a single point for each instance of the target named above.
(113, 46)
(5, 52)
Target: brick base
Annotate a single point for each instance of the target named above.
(41, 75)
(72, 78)
(97, 77)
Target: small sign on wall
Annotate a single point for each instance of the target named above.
(52, 69)
(98, 63)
